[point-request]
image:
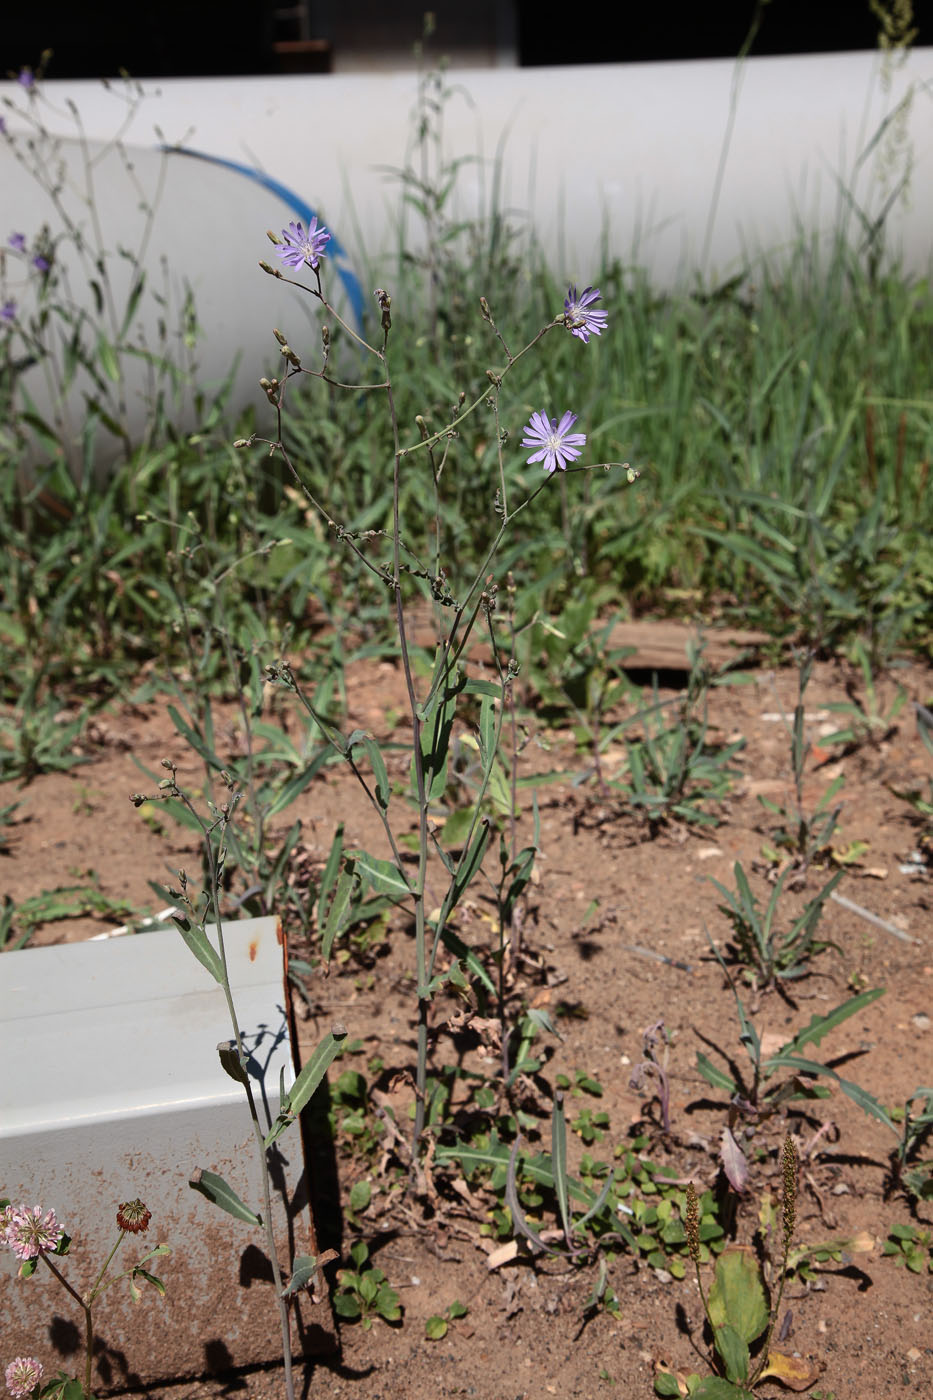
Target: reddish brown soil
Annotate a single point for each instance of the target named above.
(867, 1323)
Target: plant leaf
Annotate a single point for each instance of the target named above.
(734, 1352)
(714, 1075)
(308, 1079)
(715, 1388)
(217, 1191)
(793, 1371)
(383, 876)
(734, 1161)
(821, 1025)
(200, 945)
(737, 1297)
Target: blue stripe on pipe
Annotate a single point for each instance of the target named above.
(303, 210)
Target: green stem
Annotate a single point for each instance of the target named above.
(213, 864)
(85, 1307)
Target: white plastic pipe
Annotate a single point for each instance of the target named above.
(682, 167)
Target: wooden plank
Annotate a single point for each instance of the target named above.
(662, 646)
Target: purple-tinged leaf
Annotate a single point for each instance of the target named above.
(734, 1161)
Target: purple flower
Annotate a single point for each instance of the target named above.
(29, 1233)
(578, 318)
(2, 126)
(556, 445)
(8, 310)
(23, 1376)
(40, 263)
(296, 248)
(27, 78)
(18, 241)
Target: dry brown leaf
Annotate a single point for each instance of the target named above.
(503, 1255)
(796, 1372)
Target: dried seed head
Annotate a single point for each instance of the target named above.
(789, 1175)
(133, 1217)
(692, 1223)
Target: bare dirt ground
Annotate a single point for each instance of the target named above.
(614, 938)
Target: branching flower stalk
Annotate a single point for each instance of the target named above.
(556, 447)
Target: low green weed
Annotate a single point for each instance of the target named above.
(912, 1125)
(673, 774)
(922, 804)
(37, 737)
(7, 820)
(804, 835)
(911, 1247)
(436, 1327)
(761, 1098)
(363, 1292)
(740, 1309)
(18, 922)
(767, 956)
(867, 721)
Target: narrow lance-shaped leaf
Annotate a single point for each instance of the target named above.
(821, 1025)
(380, 774)
(471, 862)
(487, 731)
(329, 876)
(200, 945)
(714, 1075)
(219, 1193)
(519, 1223)
(337, 909)
(559, 1161)
(865, 1101)
(382, 875)
(308, 1080)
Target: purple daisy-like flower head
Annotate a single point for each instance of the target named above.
(18, 241)
(23, 1376)
(555, 445)
(298, 247)
(579, 317)
(8, 313)
(40, 263)
(30, 1233)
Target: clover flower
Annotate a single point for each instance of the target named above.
(23, 1376)
(29, 1232)
(555, 444)
(579, 319)
(133, 1217)
(8, 310)
(18, 241)
(297, 247)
